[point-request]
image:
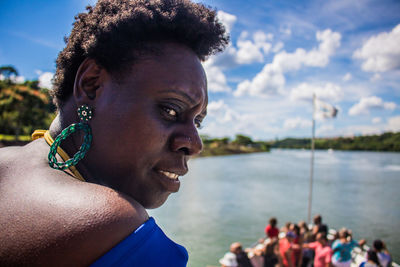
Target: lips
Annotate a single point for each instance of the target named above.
(170, 175)
(169, 179)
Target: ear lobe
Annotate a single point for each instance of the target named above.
(87, 81)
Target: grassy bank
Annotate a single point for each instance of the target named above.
(224, 146)
(12, 140)
(216, 149)
(8, 138)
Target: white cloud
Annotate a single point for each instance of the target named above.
(45, 80)
(393, 124)
(381, 52)
(17, 79)
(226, 118)
(222, 120)
(227, 19)
(224, 60)
(326, 130)
(221, 112)
(330, 41)
(250, 51)
(261, 37)
(347, 77)
(376, 77)
(329, 92)
(367, 103)
(286, 30)
(271, 79)
(267, 82)
(214, 107)
(13, 78)
(216, 79)
(296, 123)
(277, 47)
(361, 129)
(376, 120)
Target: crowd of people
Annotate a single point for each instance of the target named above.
(295, 245)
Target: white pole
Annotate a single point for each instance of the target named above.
(312, 163)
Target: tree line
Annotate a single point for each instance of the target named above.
(380, 142)
(25, 106)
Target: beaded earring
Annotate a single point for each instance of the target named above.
(85, 114)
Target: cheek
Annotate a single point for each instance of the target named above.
(148, 135)
(134, 130)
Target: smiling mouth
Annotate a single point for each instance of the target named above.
(169, 180)
(170, 175)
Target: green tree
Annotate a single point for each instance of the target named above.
(243, 140)
(7, 72)
(24, 108)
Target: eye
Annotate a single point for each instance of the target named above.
(198, 124)
(171, 112)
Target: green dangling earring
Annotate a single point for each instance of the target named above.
(85, 114)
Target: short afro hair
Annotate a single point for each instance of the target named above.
(116, 32)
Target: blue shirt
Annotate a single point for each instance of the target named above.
(147, 246)
(342, 251)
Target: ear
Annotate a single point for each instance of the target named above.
(88, 80)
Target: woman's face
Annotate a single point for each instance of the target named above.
(145, 125)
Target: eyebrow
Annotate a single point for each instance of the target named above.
(181, 93)
(187, 97)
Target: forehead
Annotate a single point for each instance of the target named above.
(175, 69)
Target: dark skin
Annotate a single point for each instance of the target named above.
(144, 131)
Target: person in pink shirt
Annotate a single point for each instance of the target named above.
(286, 250)
(323, 252)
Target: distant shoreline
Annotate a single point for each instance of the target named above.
(12, 143)
(386, 142)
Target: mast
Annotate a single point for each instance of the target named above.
(311, 163)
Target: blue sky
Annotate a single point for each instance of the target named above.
(281, 52)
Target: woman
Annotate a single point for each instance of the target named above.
(323, 252)
(342, 248)
(382, 253)
(132, 70)
(372, 260)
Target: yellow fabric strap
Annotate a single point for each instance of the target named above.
(49, 140)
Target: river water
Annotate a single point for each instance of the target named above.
(230, 198)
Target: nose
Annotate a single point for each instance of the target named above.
(187, 140)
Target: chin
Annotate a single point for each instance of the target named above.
(154, 202)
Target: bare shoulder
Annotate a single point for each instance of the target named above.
(48, 215)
